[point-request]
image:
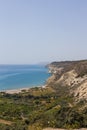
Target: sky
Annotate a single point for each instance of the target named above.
(36, 31)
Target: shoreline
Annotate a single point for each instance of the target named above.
(19, 90)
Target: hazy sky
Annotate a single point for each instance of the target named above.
(33, 31)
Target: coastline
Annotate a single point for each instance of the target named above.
(36, 76)
(19, 90)
(15, 91)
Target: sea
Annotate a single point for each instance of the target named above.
(22, 76)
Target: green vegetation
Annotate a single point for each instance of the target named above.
(53, 106)
(39, 108)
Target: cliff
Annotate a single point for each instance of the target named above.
(72, 74)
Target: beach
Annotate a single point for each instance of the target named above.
(19, 90)
(13, 91)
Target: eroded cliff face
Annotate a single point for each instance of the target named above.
(72, 74)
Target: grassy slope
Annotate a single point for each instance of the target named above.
(40, 108)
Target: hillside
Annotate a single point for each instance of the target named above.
(61, 104)
(72, 74)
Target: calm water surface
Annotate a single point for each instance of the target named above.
(20, 76)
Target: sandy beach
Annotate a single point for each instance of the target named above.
(19, 90)
(13, 91)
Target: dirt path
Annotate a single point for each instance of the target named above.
(5, 122)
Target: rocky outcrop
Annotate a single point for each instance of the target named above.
(81, 91)
(72, 74)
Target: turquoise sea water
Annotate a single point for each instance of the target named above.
(22, 76)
